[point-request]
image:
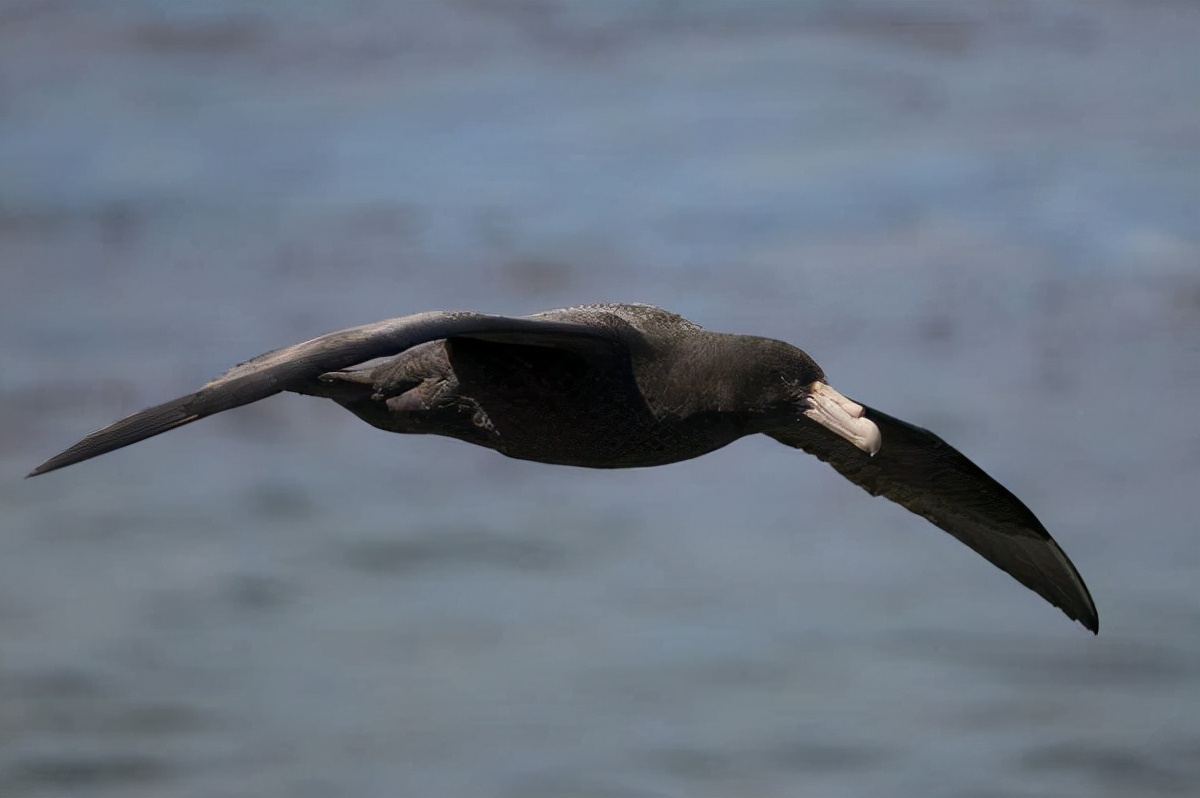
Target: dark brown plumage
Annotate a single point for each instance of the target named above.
(621, 386)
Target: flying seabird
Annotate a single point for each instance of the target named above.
(625, 386)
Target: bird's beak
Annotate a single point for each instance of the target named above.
(843, 417)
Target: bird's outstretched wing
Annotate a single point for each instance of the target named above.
(920, 471)
(276, 371)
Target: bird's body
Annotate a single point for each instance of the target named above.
(620, 386)
(654, 398)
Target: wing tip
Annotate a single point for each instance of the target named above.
(1090, 621)
(129, 430)
(53, 464)
(1079, 605)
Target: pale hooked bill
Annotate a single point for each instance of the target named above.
(843, 416)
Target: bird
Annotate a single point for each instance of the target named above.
(625, 386)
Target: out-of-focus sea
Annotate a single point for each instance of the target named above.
(981, 217)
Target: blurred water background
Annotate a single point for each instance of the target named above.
(981, 217)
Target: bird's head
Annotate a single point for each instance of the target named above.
(804, 387)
